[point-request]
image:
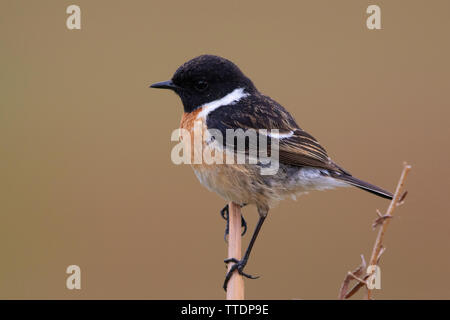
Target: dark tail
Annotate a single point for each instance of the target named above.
(364, 185)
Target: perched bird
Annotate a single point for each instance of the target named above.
(217, 95)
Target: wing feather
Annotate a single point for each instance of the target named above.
(261, 112)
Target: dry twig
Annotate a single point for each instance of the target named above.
(382, 221)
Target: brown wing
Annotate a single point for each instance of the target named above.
(301, 149)
(261, 112)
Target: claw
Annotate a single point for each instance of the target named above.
(239, 266)
(231, 260)
(224, 213)
(244, 225)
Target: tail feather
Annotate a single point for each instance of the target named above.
(363, 185)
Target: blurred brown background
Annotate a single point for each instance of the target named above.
(85, 170)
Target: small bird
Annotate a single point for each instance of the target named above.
(217, 94)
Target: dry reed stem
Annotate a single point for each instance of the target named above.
(235, 288)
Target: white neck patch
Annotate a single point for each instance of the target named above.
(231, 98)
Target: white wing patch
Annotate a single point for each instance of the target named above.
(280, 136)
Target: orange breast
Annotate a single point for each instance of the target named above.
(188, 119)
(196, 129)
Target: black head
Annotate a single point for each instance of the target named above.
(205, 79)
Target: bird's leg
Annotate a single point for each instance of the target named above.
(224, 213)
(240, 264)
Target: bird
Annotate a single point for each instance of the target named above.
(218, 97)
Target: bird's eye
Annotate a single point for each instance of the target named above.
(201, 85)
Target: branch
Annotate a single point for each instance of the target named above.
(397, 200)
(382, 221)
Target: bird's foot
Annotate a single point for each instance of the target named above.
(239, 266)
(225, 215)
